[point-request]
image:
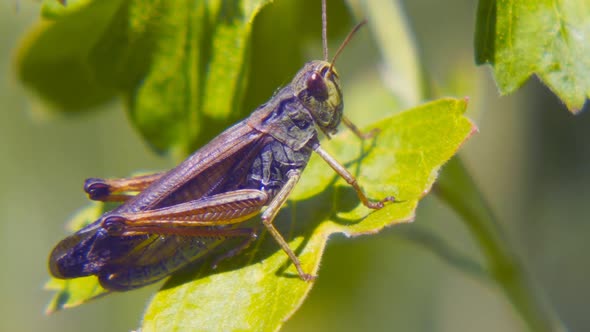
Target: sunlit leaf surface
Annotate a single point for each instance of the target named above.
(260, 289)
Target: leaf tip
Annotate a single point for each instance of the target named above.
(577, 108)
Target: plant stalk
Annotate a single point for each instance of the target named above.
(457, 189)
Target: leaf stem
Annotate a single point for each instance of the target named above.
(458, 190)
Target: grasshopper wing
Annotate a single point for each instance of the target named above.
(220, 166)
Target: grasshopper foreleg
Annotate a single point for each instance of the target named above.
(357, 131)
(111, 190)
(350, 179)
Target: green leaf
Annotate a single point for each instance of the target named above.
(164, 57)
(197, 72)
(72, 292)
(169, 56)
(53, 9)
(543, 37)
(259, 289)
(60, 59)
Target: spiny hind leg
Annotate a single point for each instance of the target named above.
(190, 218)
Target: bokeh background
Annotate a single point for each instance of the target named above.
(529, 158)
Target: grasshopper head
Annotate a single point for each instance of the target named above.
(317, 86)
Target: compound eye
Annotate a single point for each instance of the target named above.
(317, 87)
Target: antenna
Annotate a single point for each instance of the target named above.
(350, 34)
(324, 30)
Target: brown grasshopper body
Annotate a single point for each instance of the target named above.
(179, 215)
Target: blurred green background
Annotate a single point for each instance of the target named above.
(529, 159)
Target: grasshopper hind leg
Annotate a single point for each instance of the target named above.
(250, 237)
(113, 190)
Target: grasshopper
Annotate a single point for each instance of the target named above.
(177, 216)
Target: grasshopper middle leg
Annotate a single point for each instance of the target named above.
(271, 212)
